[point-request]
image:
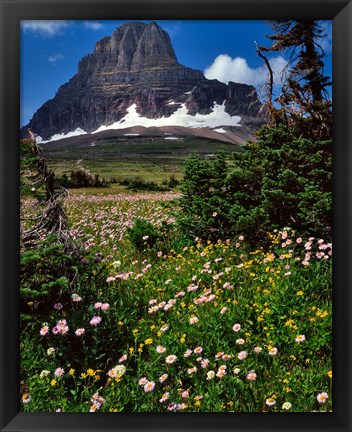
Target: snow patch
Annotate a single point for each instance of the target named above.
(220, 130)
(218, 117)
(56, 137)
(171, 138)
(131, 134)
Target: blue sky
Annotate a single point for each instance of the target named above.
(225, 50)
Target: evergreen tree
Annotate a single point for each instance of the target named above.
(284, 179)
(304, 103)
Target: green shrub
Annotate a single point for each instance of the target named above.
(143, 234)
(279, 181)
(139, 184)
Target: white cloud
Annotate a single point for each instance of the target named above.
(93, 25)
(225, 69)
(45, 27)
(54, 58)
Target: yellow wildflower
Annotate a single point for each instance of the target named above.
(90, 372)
(329, 374)
(71, 372)
(83, 375)
(131, 350)
(299, 293)
(148, 341)
(289, 323)
(53, 382)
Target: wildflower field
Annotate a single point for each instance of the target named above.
(152, 321)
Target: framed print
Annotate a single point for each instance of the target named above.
(174, 178)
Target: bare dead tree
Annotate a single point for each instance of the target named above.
(53, 219)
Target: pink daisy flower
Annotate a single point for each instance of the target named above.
(270, 402)
(252, 376)
(149, 387)
(164, 397)
(143, 381)
(242, 355)
(59, 372)
(95, 321)
(26, 398)
(80, 332)
(236, 327)
(322, 397)
(163, 377)
(193, 320)
(273, 351)
(44, 330)
(204, 363)
(187, 353)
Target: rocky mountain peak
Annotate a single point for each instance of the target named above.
(131, 47)
(136, 65)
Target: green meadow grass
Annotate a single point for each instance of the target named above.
(151, 159)
(182, 326)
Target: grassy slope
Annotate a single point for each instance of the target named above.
(150, 158)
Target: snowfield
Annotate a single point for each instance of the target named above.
(218, 117)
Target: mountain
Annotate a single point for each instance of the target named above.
(133, 78)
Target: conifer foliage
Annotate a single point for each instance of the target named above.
(284, 179)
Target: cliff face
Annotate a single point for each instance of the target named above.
(136, 65)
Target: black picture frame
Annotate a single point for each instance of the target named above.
(11, 12)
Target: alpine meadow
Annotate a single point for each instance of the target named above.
(176, 225)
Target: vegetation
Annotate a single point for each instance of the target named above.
(285, 177)
(215, 299)
(185, 298)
